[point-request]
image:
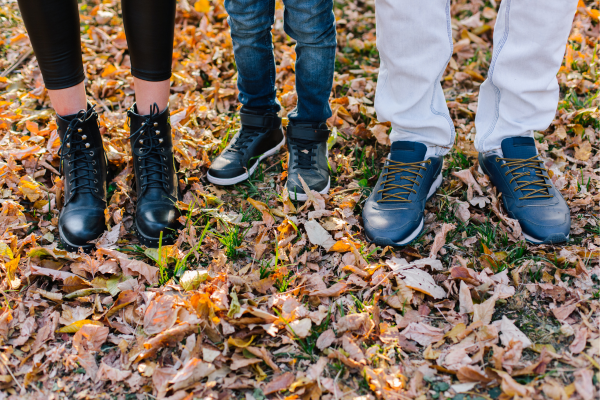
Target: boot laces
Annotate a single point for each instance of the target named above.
(304, 150)
(394, 173)
(73, 151)
(524, 172)
(152, 162)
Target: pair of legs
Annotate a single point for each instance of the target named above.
(54, 31)
(519, 96)
(312, 24)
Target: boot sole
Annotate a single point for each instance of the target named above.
(150, 241)
(555, 238)
(245, 175)
(415, 234)
(73, 248)
(304, 196)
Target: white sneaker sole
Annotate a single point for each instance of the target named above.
(304, 196)
(245, 175)
(434, 187)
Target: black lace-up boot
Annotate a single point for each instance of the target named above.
(156, 181)
(83, 168)
(260, 137)
(307, 144)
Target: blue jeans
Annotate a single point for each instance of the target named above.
(312, 24)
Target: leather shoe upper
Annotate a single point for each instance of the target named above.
(393, 213)
(528, 194)
(307, 146)
(156, 181)
(258, 135)
(83, 168)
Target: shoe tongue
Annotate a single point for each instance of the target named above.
(407, 152)
(519, 148)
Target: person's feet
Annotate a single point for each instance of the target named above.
(393, 214)
(156, 181)
(83, 169)
(307, 145)
(528, 194)
(261, 136)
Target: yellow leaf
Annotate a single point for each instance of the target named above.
(6, 251)
(239, 342)
(202, 6)
(75, 326)
(431, 354)
(457, 330)
(108, 70)
(31, 190)
(538, 347)
(11, 273)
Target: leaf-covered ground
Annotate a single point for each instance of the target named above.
(265, 298)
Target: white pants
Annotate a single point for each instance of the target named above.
(520, 94)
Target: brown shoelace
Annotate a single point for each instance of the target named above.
(524, 185)
(397, 167)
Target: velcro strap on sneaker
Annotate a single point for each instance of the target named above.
(306, 133)
(260, 121)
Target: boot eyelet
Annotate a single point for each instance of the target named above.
(87, 145)
(91, 154)
(156, 124)
(141, 141)
(157, 132)
(94, 162)
(497, 159)
(84, 137)
(160, 140)
(95, 180)
(79, 130)
(69, 145)
(95, 171)
(96, 190)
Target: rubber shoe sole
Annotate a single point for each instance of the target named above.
(304, 196)
(245, 175)
(415, 234)
(555, 238)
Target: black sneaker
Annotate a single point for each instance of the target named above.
(393, 214)
(527, 191)
(307, 144)
(261, 136)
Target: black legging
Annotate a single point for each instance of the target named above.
(53, 27)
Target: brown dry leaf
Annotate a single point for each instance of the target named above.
(360, 323)
(440, 239)
(472, 373)
(464, 298)
(421, 281)
(279, 383)
(300, 328)
(380, 131)
(168, 338)
(512, 388)
(422, 333)
(264, 209)
(510, 332)
(106, 373)
(333, 291)
(563, 312)
(90, 338)
(580, 340)
(584, 384)
(191, 373)
(325, 339)
(318, 235)
(583, 152)
(133, 267)
(354, 352)
(467, 178)
(125, 298)
(241, 362)
(160, 315)
(264, 355)
(483, 312)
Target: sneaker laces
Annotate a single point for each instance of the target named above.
(245, 137)
(304, 152)
(524, 173)
(73, 151)
(151, 161)
(395, 171)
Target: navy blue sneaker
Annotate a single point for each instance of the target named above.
(527, 192)
(393, 214)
